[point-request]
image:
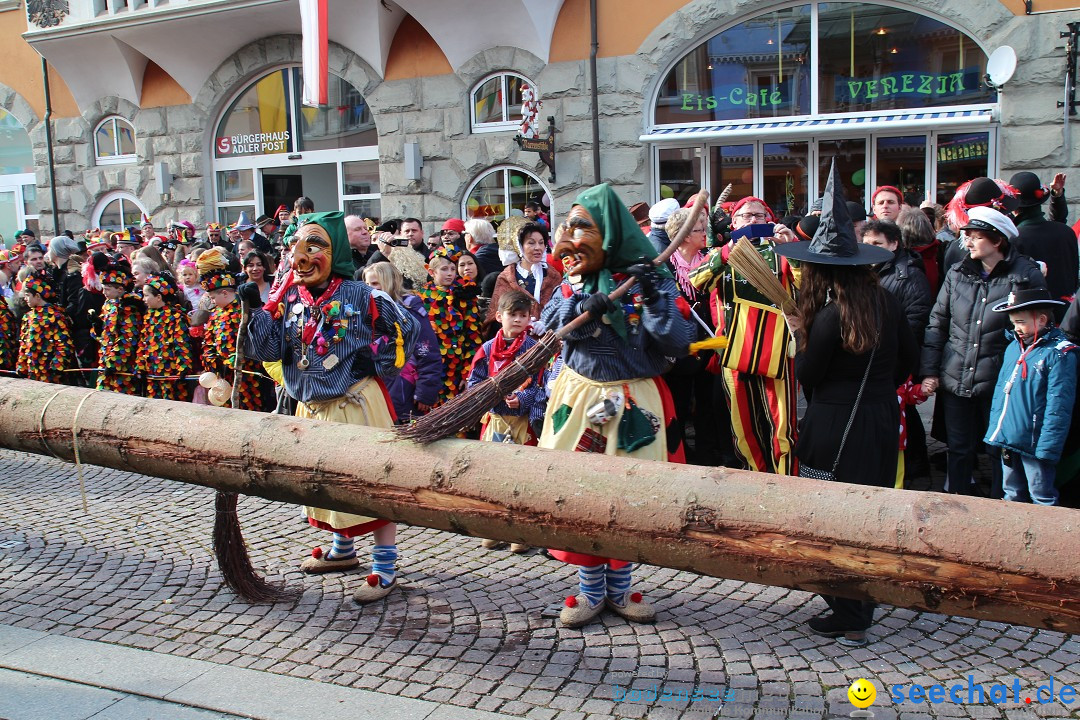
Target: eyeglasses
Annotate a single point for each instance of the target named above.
(751, 216)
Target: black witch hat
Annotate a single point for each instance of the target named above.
(834, 241)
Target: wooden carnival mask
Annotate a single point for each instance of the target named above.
(579, 244)
(311, 256)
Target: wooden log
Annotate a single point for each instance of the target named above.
(958, 555)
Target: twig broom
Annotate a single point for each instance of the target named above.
(465, 410)
(749, 263)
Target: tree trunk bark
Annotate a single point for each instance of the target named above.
(979, 558)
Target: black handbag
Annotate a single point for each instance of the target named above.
(808, 472)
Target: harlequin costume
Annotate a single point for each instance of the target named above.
(121, 323)
(164, 356)
(321, 325)
(455, 317)
(219, 333)
(9, 337)
(612, 365)
(46, 349)
(757, 367)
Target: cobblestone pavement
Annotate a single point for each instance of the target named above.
(468, 629)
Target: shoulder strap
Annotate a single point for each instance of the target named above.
(854, 409)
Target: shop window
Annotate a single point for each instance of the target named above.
(784, 177)
(267, 118)
(117, 211)
(114, 141)
(360, 188)
(501, 192)
(901, 162)
(869, 57)
(850, 156)
(758, 68)
(732, 164)
(960, 157)
(680, 173)
(16, 152)
(874, 57)
(496, 102)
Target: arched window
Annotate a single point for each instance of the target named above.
(503, 191)
(849, 56)
(116, 211)
(114, 141)
(269, 149)
(496, 102)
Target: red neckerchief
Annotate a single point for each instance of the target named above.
(305, 294)
(502, 354)
(1022, 360)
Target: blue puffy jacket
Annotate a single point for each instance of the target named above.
(1033, 400)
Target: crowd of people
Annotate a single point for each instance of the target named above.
(375, 323)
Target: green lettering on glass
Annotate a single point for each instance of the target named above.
(686, 100)
(853, 88)
(871, 89)
(924, 84)
(888, 86)
(739, 95)
(774, 97)
(907, 83)
(732, 96)
(956, 82)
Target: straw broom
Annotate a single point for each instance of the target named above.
(467, 409)
(230, 550)
(748, 262)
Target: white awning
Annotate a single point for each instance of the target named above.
(822, 126)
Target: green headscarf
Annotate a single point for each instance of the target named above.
(340, 253)
(624, 245)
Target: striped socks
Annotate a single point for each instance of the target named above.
(383, 558)
(618, 583)
(342, 549)
(592, 583)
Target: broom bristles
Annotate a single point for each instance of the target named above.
(232, 556)
(749, 263)
(467, 409)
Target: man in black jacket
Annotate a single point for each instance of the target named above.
(1048, 241)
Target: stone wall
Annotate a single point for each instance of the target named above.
(434, 112)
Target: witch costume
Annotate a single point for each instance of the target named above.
(321, 325)
(609, 397)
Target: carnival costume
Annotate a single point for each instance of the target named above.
(9, 337)
(164, 356)
(121, 324)
(757, 366)
(455, 317)
(46, 349)
(609, 397)
(503, 423)
(321, 325)
(219, 334)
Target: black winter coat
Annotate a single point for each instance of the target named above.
(1055, 244)
(965, 339)
(903, 276)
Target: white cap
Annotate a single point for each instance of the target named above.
(661, 211)
(984, 218)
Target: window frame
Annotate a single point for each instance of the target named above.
(504, 168)
(502, 125)
(108, 198)
(118, 158)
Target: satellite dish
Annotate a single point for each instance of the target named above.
(1001, 65)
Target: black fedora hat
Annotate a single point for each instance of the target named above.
(1026, 299)
(834, 240)
(984, 192)
(1031, 189)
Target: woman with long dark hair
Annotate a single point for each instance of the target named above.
(853, 348)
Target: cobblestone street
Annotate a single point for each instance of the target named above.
(471, 627)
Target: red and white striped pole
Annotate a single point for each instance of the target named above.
(314, 28)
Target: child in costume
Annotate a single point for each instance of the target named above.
(164, 355)
(758, 366)
(1033, 402)
(455, 317)
(9, 325)
(121, 323)
(508, 422)
(46, 349)
(321, 325)
(219, 333)
(609, 397)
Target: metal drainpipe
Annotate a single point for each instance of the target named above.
(49, 145)
(595, 95)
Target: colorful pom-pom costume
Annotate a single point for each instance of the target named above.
(9, 337)
(455, 318)
(121, 323)
(164, 356)
(46, 349)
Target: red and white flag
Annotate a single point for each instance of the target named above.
(314, 27)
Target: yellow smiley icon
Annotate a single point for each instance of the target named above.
(862, 693)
